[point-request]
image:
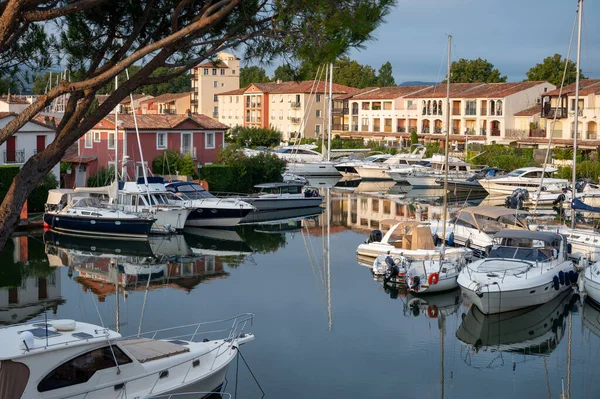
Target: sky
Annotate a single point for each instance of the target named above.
(514, 35)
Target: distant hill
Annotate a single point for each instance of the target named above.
(417, 83)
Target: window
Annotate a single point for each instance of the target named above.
(230, 99)
(88, 140)
(233, 71)
(280, 114)
(161, 141)
(318, 113)
(318, 129)
(365, 122)
(318, 98)
(214, 71)
(281, 99)
(216, 83)
(111, 140)
(273, 114)
(206, 71)
(209, 140)
(222, 71)
(215, 112)
(471, 107)
(215, 98)
(80, 369)
(237, 99)
(272, 99)
(96, 137)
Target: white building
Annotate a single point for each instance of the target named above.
(212, 78)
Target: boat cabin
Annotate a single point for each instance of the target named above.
(438, 163)
(534, 246)
(491, 219)
(407, 235)
(533, 173)
(188, 190)
(279, 188)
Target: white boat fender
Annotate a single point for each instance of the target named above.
(27, 341)
(64, 325)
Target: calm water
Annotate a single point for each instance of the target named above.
(320, 332)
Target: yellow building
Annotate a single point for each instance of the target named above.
(212, 78)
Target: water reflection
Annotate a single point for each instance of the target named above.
(528, 331)
(28, 285)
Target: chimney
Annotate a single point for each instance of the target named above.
(8, 97)
(278, 81)
(189, 112)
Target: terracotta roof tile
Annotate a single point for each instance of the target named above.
(439, 91)
(13, 99)
(127, 99)
(217, 64)
(164, 121)
(39, 119)
(586, 87)
(167, 97)
(531, 111)
(499, 90)
(347, 96)
(306, 86)
(235, 92)
(390, 92)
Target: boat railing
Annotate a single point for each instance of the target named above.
(232, 326)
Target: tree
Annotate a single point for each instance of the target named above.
(414, 138)
(346, 72)
(287, 73)
(551, 69)
(385, 77)
(255, 137)
(472, 71)
(99, 39)
(252, 74)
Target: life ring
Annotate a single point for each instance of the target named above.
(433, 278)
(432, 312)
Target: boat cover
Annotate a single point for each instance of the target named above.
(146, 349)
(13, 379)
(579, 205)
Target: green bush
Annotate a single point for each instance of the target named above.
(502, 156)
(241, 173)
(172, 162)
(7, 175)
(433, 148)
(39, 195)
(254, 136)
(585, 170)
(103, 177)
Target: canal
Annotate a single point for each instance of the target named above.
(324, 327)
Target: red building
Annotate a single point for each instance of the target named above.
(195, 135)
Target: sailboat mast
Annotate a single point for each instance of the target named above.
(116, 134)
(324, 110)
(330, 111)
(446, 141)
(576, 116)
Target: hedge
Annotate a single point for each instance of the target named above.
(219, 177)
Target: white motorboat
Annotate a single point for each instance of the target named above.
(422, 177)
(151, 197)
(283, 195)
(380, 171)
(532, 330)
(524, 268)
(528, 178)
(591, 281)
(206, 209)
(348, 168)
(71, 212)
(299, 153)
(474, 227)
(67, 359)
(320, 168)
(585, 243)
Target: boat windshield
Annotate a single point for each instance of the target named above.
(516, 173)
(192, 191)
(531, 254)
(86, 202)
(490, 225)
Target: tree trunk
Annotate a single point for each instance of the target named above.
(30, 175)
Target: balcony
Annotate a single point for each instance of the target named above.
(551, 113)
(573, 135)
(17, 156)
(387, 129)
(400, 129)
(339, 127)
(355, 128)
(412, 128)
(295, 120)
(437, 130)
(495, 132)
(537, 133)
(340, 111)
(592, 136)
(412, 107)
(455, 130)
(482, 132)
(483, 111)
(354, 112)
(188, 151)
(455, 111)
(167, 111)
(425, 130)
(557, 134)
(364, 128)
(376, 128)
(295, 105)
(470, 132)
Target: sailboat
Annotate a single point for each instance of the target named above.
(434, 271)
(322, 167)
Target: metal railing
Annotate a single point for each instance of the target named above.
(354, 111)
(425, 130)
(437, 130)
(338, 111)
(483, 132)
(400, 129)
(295, 120)
(592, 136)
(560, 112)
(191, 151)
(17, 156)
(495, 132)
(295, 104)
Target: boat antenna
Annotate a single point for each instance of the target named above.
(560, 90)
(446, 146)
(576, 116)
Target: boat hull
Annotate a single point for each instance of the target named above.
(367, 173)
(312, 169)
(272, 204)
(496, 300)
(592, 284)
(99, 227)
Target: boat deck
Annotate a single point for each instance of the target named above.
(146, 349)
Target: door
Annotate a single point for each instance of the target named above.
(11, 150)
(80, 176)
(186, 144)
(40, 144)
(42, 288)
